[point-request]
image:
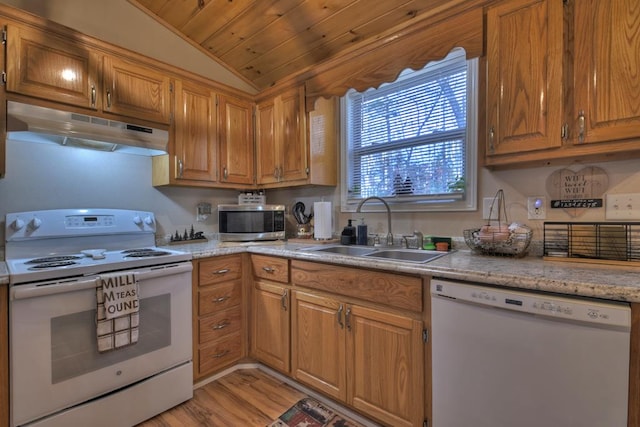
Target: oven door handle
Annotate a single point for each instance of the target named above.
(73, 285)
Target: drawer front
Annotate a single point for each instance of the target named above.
(270, 268)
(219, 324)
(394, 290)
(220, 269)
(219, 297)
(220, 354)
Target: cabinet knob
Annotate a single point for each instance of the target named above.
(491, 136)
(108, 99)
(180, 168)
(93, 95)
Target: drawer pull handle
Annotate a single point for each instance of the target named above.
(270, 270)
(283, 300)
(223, 271)
(221, 325)
(339, 315)
(221, 354)
(221, 299)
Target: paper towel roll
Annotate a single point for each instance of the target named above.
(322, 220)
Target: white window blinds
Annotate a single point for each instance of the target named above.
(408, 141)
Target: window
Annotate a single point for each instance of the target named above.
(413, 142)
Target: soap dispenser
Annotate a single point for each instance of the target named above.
(348, 236)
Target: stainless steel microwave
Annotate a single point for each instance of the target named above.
(251, 222)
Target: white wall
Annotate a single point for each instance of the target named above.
(49, 176)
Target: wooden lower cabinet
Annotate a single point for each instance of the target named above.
(270, 311)
(366, 357)
(270, 334)
(218, 314)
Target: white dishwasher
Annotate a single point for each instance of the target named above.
(506, 358)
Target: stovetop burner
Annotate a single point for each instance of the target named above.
(56, 264)
(53, 259)
(144, 252)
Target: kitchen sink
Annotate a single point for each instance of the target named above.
(391, 254)
(344, 250)
(406, 255)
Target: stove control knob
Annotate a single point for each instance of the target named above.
(137, 220)
(148, 220)
(17, 224)
(35, 223)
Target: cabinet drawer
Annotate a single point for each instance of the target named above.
(220, 269)
(394, 290)
(220, 353)
(219, 297)
(219, 324)
(270, 268)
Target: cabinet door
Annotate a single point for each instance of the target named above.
(270, 335)
(134, 90)
(318, 344)
(195, 132)
(524, 76)
(48, 67)
(267, 163)
(236, 140)
(385, 356)
(292, 135)
(607, 89)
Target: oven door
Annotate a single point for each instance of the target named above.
(55, 363)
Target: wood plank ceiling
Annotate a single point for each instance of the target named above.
(268, 41)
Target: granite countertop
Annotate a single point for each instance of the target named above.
(532, 273)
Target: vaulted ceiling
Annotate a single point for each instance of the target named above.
(268, 41)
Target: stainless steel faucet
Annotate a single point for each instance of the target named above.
(389, 233)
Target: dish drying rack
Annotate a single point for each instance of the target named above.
(592, 242)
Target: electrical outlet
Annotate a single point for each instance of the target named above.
(536, 207)
(486, 208)
(622, 206)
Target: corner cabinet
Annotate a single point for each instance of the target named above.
(271, 312)
(281, 143)
(236, 151)
(558, 81)
(218, 326)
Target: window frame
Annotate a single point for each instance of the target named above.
(447, 203)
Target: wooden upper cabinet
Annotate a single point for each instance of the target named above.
(236, 153)
(43, 65)
(281, 141)
(607, 85)
(135, 90)
(195, 137)
(524, 76)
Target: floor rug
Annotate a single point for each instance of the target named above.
(309, 412)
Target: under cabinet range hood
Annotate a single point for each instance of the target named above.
(32, 123)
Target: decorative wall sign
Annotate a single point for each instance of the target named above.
(576, 191)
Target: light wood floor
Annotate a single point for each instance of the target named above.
(244, 398)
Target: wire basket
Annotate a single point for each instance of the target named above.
(498, 237)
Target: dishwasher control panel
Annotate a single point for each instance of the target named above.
(579, 309)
